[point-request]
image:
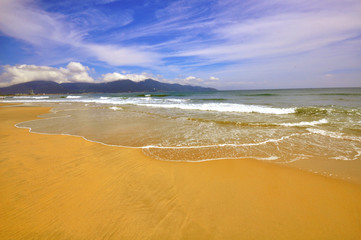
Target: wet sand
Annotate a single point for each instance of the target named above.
(63, 187)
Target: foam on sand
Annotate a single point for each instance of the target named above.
(63, 187)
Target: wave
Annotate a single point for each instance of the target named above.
(73, 97)
(209, 99)
(333, 134)
(180, 104)
(260, 124)
(311, 111)
(193, 104)
(235, 123)
(226, 107)
(324, 111)
(339, 94)
(260, 95)
(31, 97)
(153, 95)
(300, 124)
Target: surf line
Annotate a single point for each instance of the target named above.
(148, 147)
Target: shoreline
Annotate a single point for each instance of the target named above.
(290, 164)
(57, 186)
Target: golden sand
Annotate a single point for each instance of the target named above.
(63, 187)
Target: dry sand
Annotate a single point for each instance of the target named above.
(63, 187)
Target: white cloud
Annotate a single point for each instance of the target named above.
(119, 76)
(190, 80)
(213, 78)
(196, 81)
(77, 67)
(255, 40)
(193, 79)
(74, 72)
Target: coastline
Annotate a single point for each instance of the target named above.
(64, 187)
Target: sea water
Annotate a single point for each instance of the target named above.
(314, 129)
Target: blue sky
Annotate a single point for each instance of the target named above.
(224, 44)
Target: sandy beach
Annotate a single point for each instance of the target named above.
(64, 187)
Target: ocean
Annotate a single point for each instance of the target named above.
(318, 130)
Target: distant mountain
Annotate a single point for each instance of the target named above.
(49, 87)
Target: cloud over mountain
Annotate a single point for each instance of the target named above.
(74, 72)
(266, 43)
(119, 76)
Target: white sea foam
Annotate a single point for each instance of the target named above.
(115, 108)
(300, 124)
(271, 158)
(223, 107)
(73, 97)
(333, 134)
(276, 140)
(31, 97)
(171, 103)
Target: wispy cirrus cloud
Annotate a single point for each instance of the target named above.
(244, 40)
(274, 28)
(121, 56)
(23, 20)
(277, 36)
(229, 32)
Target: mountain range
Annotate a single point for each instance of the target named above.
(49, 87)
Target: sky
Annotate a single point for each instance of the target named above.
(225, 44)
